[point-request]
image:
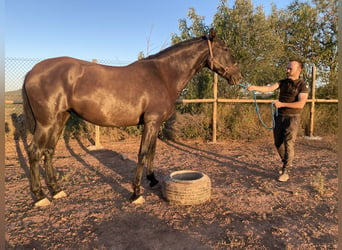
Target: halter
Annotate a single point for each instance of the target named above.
(213, 60)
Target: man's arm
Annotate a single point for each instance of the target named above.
(302, 98)
(264, 88)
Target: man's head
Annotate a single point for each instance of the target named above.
(294, 68)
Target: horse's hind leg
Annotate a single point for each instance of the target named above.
(50, 176)
(34, 154)
(43, 143)
(49, 151)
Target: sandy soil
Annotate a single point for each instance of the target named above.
(249, 208)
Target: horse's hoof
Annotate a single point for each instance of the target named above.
(152, 179)
(138, 200)
(42, 203)
(60, 195)
(154, 183)
(123, 157)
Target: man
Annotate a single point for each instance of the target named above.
(292, 98)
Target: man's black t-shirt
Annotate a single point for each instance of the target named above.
(289, 91)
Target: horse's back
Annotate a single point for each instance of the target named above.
(99, 93)
(52, 68)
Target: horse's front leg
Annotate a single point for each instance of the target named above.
(147, 147)
(136, 185)
(150, 174)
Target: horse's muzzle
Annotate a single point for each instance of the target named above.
(234, 78)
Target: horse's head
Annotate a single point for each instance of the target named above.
(221, 61)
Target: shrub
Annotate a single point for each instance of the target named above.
(187, 126)
(234, 121)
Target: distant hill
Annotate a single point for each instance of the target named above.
(14, 95)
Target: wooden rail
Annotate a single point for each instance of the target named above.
(217, 100)
(221, 100)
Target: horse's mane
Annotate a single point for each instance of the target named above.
(177, 46)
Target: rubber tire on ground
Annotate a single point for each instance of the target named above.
(186, 187)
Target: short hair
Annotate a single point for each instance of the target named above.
(301, 65)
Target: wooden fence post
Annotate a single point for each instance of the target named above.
(215, 108)
(313, 97)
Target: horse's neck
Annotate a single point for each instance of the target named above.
(184, 63)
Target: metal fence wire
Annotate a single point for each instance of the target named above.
(17, 68)
(15, 71)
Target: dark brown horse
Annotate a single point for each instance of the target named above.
(143, 92)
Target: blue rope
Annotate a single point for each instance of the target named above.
(274, 110)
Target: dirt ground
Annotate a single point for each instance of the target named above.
(249, 208)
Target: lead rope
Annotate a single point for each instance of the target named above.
(274, 110)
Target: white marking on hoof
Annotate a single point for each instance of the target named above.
(59, 195)
(124, 157)
(139, 200)
(42, 203)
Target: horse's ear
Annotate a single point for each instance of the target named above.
(212, 34)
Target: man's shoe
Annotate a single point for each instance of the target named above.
(284, 176)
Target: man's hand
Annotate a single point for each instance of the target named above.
(279, 104)
(302, 98)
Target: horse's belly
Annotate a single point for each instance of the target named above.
(109, 107)
(121, 118)
(109, 114)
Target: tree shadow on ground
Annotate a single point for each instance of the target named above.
(243, 167)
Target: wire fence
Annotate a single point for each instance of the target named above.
(15, 72)
(17, 68)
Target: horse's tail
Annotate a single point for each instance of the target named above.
(29, 121)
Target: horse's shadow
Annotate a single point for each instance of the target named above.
(113, 161)
(121, 169)
(19, 134)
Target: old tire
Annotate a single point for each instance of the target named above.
(186, 187)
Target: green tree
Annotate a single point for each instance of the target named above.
(327, 36)
(250, 34)
(196, 29)
(300, 34)
(263, 44)
(311, 35)
(201, 85)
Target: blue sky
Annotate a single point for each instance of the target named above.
(102, 29)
